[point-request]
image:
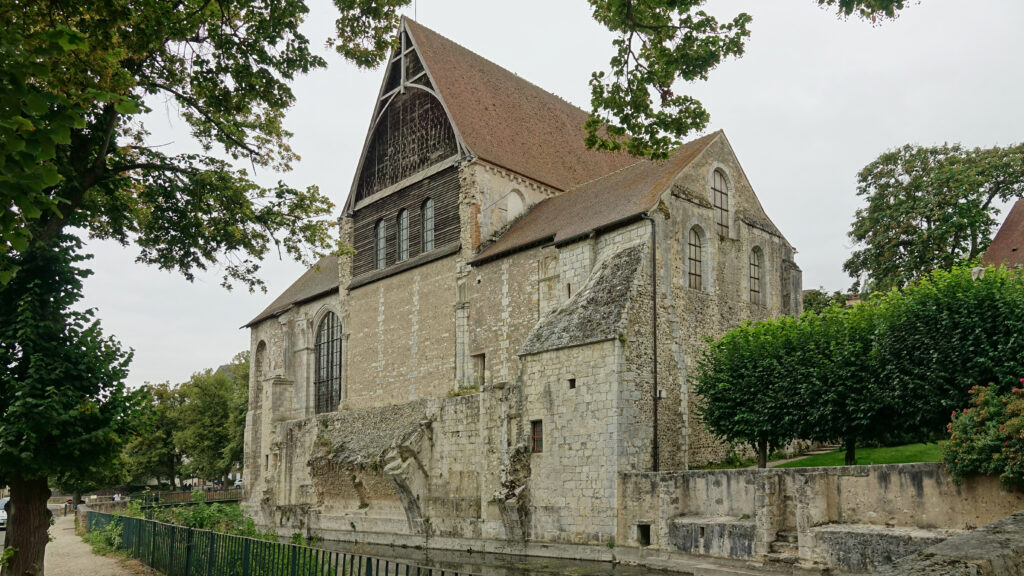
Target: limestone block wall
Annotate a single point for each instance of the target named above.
(399, 338)
(573, 479)
(502, 197)
(503, 307)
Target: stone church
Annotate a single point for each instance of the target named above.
(516, 327)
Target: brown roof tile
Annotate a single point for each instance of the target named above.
(1008, 245)
(321, 279)
(623, 194)
(508, 121)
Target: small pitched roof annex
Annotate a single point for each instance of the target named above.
(507, 121)
(603, 202)
(1008, 245)
(321, 279)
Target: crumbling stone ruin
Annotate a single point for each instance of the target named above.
(516, 328)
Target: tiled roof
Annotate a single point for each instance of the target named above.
(321, 279)
(612, 198)
(1008, 245)
(507, 121)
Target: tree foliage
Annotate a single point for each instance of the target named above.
(817, 300)
(988, 437)
(64, 408)
(869, 373)
(211, 419)
(77, 75)
(928, 208)
(152, 453)
(747, 381)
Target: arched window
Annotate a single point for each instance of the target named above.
(328, 364)
(380, 244)
(695, 260)
(403, 235)
(755, 276)
(428, 225)
(720, 198)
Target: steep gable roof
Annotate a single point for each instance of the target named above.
(505, 120)
(1008, 245)
(616, 197)
(319, 280)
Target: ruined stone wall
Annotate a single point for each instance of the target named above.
(400, 337)
(853, 517)
(280, 384)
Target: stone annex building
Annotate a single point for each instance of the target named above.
(516, 328)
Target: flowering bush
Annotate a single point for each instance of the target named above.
(988, 437)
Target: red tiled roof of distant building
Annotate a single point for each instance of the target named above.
(1008, 245)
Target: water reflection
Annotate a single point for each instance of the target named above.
(490, 564)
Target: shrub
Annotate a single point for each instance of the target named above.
(988, 437)
(105, 540)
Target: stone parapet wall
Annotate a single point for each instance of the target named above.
(855, 518)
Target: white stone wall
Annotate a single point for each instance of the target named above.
(572, 482)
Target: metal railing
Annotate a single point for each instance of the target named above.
(181, 551)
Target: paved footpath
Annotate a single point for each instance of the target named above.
(67, 555)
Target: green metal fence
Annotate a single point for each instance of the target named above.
(182, 551)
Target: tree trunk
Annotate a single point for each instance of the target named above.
(851, 451)
(762, 454)
(27, 527)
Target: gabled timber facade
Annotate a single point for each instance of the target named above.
(516, 328)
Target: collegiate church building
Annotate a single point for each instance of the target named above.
(516, 327)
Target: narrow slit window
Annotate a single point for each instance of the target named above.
(720, 194)
(572, 383)
(403, 235)
(755, 276)
(381, 244)
(696, 279)
(536, 436)
(428, 225)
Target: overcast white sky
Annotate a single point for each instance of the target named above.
(813, 100)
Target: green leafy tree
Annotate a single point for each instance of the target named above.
(988, 437)
(211, 421)
(747, 381)
(817, 300)
(840, 395)
(946, 334)
(151, 453)
(76, 76)
(64, 408)
(928, 208)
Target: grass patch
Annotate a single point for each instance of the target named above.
(886, 455)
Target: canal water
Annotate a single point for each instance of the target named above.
(490, 564)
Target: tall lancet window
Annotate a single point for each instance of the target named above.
(755, 276)
(695, 261)
(403, 235)
(428, 225)
(328, 364)
(720, 193)
(380, 243)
